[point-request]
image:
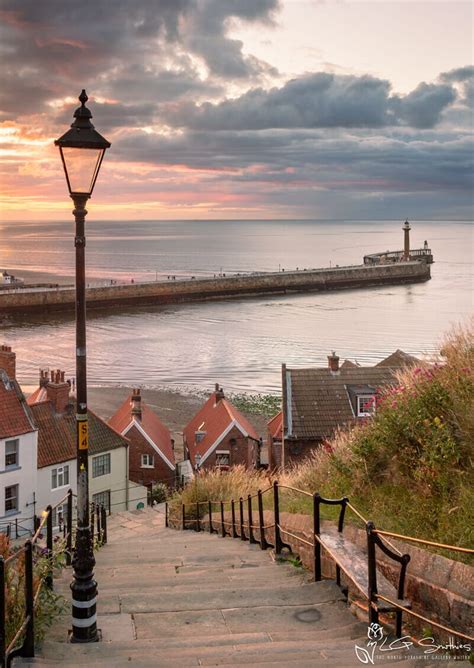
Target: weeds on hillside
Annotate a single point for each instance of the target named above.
(49, 604)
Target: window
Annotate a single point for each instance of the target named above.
(101, 465)
(365, 405)
(60, 477)
(222, 459)
(60, 516)
(102, 499)
(148, 461)
(11, 453)
(11, 499)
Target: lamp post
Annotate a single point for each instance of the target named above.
(82, 150)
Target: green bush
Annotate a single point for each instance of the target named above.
(159, 493)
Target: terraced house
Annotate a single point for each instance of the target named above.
(53, 410)
(18, 451)
(316, 401)
(220, 436)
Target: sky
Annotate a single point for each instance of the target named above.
(242, 108)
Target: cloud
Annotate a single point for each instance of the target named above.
(321, 100)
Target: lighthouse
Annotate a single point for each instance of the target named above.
(406, 245)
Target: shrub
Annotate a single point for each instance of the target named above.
(159, 492)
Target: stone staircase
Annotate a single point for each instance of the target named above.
(176, 599)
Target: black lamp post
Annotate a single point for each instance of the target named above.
(82, 150)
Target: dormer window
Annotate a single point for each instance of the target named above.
(365, 405)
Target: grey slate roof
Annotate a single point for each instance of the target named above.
(316, 401)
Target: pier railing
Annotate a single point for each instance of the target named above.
(399, 256)
(239, 519)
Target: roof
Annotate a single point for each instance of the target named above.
(317, 401)
(275, 426)
(38, 396)
(15, 416)
(57, 434)
(216, 418)
(399, 359)
(150, 423)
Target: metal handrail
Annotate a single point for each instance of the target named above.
(425, 619)
(301, 540)
(425, 542)
(295, 489)
(15, 555)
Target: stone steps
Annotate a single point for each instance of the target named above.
(170, 598)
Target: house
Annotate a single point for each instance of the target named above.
(18, 450)
(318, 401)
(220, 436)
(151, 451)
(53, 410)
(274, 441)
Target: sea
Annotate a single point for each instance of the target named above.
(242, 343)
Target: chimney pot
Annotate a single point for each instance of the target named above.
(57, 390)
(333, 362)
(137, 403)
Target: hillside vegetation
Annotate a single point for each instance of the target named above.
(409, 468)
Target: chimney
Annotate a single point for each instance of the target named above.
(136, 404)
(333, 362)
(44, 377)
(8, 361)
(219, 393)
(57, 390)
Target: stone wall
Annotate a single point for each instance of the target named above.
(168, 292)
(439, 588)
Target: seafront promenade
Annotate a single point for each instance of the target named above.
(221, 287)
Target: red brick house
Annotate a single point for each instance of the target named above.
(318, 401)
(151, 446)
(220, 436)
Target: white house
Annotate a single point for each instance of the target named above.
(18, 451)
(54, 414)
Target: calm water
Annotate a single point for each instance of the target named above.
(240, 344)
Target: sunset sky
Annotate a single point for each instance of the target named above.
(241, 108)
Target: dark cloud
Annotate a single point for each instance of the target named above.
(321, 100)
(331, 161)
(139, 47)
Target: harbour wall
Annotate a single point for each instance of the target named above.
(230, 287)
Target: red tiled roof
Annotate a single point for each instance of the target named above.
(149, 422)
(213, 419)
(57, 434)
(15, 416)
(38, 396)
(275, 426)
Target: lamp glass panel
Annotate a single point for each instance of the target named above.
(82, 165)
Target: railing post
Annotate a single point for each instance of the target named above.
(104, 525)
(198, 521)
(28, 649)
(69, 528)
(224, 532)
(92, 521)
(209, 510)
(316, 532)
(241, 519)
(99, 527)
(49, 547)
(2, 612)
(232, 509)
(372, 574)
(16, 527)
(263, 542)
(183, 516)
(167, 523)
(276, 515)
(249, 513)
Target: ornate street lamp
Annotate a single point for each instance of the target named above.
(82, 149)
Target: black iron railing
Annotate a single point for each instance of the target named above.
(192, 517)
(22, 644)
